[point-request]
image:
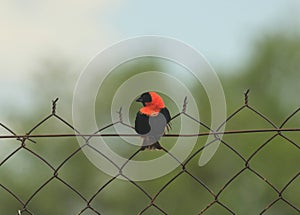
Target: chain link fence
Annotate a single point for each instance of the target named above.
(90, 205)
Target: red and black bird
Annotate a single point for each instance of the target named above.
(152, 120)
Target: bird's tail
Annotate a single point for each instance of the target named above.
(148, 144)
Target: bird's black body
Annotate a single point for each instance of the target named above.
(151, 126)
(142, 125)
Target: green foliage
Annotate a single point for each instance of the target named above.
(272, 74)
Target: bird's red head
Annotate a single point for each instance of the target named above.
(152, 102)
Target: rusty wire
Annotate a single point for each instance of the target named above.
(275, 130)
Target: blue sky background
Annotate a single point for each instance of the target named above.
(223, 31)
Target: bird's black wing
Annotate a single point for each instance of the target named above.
(167, 115)
(142, 123)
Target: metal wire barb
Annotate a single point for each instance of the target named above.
(120, 114)
(54, 105)
(153, 203)
(246, 93)
(184, 106)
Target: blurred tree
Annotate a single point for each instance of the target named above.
(272, 74)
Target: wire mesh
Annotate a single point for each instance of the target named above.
(275, 131)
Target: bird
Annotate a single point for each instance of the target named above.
(152, 120)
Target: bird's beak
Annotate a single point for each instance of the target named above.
(139, 99)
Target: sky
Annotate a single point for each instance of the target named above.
(31, 30)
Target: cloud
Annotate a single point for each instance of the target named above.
(32, 28)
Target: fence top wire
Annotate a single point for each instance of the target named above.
(276, 131)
